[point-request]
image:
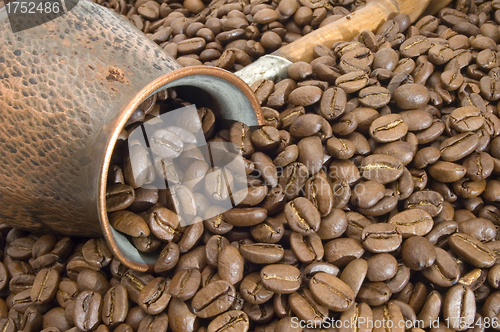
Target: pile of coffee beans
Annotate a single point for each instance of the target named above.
(228, 34)
(372, 190)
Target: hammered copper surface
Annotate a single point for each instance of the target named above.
(64, 89)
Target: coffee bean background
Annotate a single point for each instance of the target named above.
(374, 188)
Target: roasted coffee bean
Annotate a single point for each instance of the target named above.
(458, 146)
(319, 192)
(135, 282)
(115, 306)
(168, 258)
(281, 278)
(471, 250)
(231, 321)
(305, 307)
(381, 168)
(253, 291)
(129, 223)
(446, 171)
(305, 96)
(245, 216)
(459, 307)
(366, 194)
(479, 228)
(333, 103)
(184, 285)
(388, 128)
(341, 251)
(92, 280)
(381, 267)
(97, 253)
(353, 81)
(306, 248)
(230, 264)
(181, 318)
(262, 253)
(213, 299)
(411, 96)
(381, 238)
(265, 166)
(119, 197)
(418, 253)
(311, 153)
(428, 200)
(331, 292)
(391, 314)
(266, 138)
(45, 286)
(340, 148)
(344, 171)
(87, 310)
(21, 248)
(163, 223)
(269, 231)
(302, 216)
(374, 293)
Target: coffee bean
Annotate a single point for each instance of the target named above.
(262, 253)
(381, 168)
(280, 278)
(388, 128)
(471, 250)
(353, 81)
(427, 200)
(266, 167)
(446, 171)
(129, 223)
(333, 103)
(381, 267)
(413, 222)
(213, 299)
(87, 310)
(163, 223)
(411, 96)
(302, 216)
(308, 248)
(331, 292)
(119, 197)
(266, 138)
(381, 238)
(341, 251)
(183, 286)
(115, 306)
(245, 216)
(88, 279)
(45, 286)
(231, 264)
(231, 321)
(459, 306)
(402, 150)
(253, 291)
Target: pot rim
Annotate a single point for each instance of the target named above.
(129, 109)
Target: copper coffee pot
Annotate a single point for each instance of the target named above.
(67, 88)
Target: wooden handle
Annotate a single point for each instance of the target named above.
(369, 17)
